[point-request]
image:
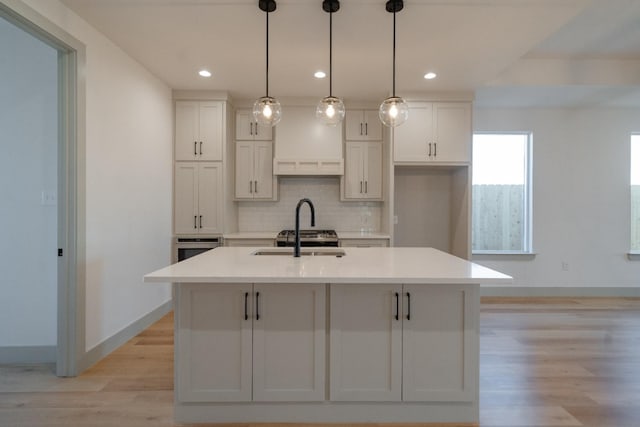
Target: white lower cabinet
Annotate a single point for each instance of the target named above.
(403, 342)
(244, 342)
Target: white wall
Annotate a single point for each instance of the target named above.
(28, 167)
(128, 180)
(581, 207)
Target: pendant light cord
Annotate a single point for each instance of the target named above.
(394, 50)
(267, 12)
(331, 52)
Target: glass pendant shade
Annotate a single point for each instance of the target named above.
(267, 111)
(330, 110)
(394, 111)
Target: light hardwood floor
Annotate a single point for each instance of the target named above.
(544, 362)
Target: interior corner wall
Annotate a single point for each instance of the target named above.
(581, 197)
(129, 128)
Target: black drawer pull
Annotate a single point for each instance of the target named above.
(408, 306)
(397, 316)
(246, 300)
(257, 305)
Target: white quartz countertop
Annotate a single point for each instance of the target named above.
(359, 265)
(274, 234)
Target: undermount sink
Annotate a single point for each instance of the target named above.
(336, 252)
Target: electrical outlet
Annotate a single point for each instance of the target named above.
(48, 198)
(565, 266)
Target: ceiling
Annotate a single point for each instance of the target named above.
(508, 52)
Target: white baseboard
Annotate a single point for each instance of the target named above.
(103, 349)
(28, 354)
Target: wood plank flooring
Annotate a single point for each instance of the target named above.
(545, 362)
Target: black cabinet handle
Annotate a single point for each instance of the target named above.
(195, 148)
(408, 306)
(255, 186)
(195, 221)
(360, 128)
(257, 305)
(435, 149)
(366, 128)
(200, 221)
(360, 187)
(250, 187)
(246, 299)
(201, 148)
(429, 149)
(255, 126)
(366, 187)
(397, 316)
(250, 128)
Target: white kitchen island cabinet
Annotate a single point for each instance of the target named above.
(262, 342)
(371, 367)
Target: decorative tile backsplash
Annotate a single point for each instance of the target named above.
(324, 192)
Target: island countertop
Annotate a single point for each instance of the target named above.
(359, 265)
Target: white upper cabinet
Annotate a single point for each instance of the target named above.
(199, 130)
(247, 129)
(363, 125)
(198, 198)
(363, 170)
(254, 170)
(436, 132)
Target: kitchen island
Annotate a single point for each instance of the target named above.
(363, 335)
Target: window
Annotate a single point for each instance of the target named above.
(501, 211)
(635, 193)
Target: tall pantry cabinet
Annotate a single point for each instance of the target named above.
(199, 170)
(432, 176)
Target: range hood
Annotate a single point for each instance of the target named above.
(306, 146)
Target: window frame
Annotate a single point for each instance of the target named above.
(527, 249)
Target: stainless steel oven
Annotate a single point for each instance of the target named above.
(186, 247)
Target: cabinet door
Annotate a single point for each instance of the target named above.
(185, 208)
(354, 170)
(373, 171)
(187, 130)
(354, 125)
(289, 342)
(365, 342)
(372, 125)
(210, 197)
(244, 125)
(244, 170)
(263, 170)
(210, 126)
(439, 343)
(247, 129)
(452, 132)
(214, 343)
(411, 139)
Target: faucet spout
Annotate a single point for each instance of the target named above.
(296, 250)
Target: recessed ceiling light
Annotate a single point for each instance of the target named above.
(320, 75)
(204, 73)
(430, 75)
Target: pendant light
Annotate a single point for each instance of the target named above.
(330, 108)
(267, 110)
(394, 111)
